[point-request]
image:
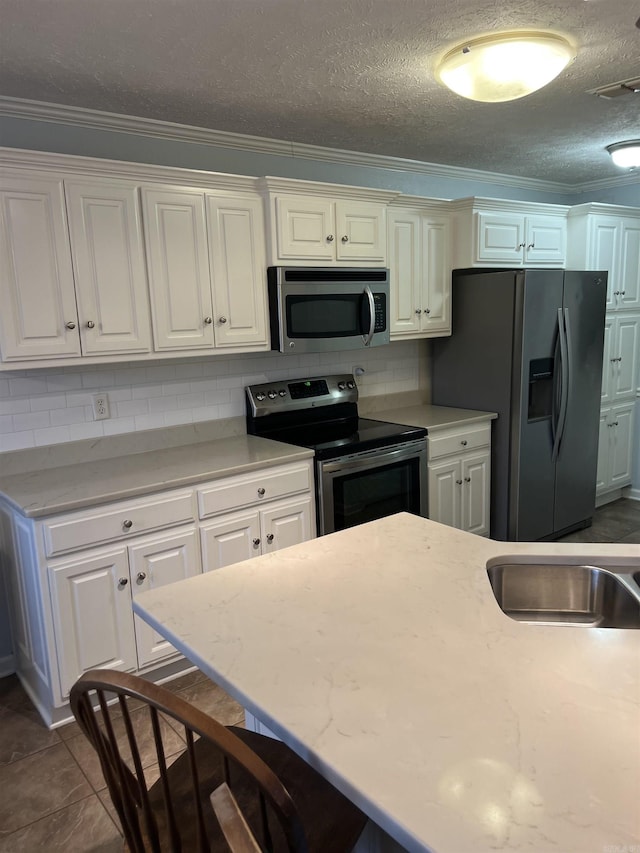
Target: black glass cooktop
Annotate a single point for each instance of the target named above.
(332, 439)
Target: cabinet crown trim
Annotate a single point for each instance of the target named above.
(312, 188)
(604, 209)
(502, 205)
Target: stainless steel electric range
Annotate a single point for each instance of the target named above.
(364, 468)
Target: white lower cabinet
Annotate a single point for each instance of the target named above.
(73, 576)
(459, 475)
(239, 536)
(615, 447)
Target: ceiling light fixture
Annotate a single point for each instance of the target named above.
(504, 66)
(626, 154)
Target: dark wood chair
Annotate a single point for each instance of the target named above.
(230, 789)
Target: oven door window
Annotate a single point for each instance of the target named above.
(365, 495)
(326, 315)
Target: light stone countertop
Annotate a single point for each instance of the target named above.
(52, 488)
(90, 483)
(380, 655)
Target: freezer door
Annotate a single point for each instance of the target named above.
(535, 410)
(583, 312)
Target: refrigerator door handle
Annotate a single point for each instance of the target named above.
(563, 335)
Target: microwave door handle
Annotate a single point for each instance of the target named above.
(372, 315)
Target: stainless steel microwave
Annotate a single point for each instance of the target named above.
(315, 309)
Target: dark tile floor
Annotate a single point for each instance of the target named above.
(53, 796)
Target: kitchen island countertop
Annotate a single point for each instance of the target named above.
(380, 654)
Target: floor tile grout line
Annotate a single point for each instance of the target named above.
(3, 838)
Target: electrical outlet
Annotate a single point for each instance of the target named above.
(100, 407)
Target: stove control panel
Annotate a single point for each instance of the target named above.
(284, 395)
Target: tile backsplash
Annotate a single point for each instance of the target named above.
(44, 407)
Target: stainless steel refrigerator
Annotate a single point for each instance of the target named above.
(527, 344)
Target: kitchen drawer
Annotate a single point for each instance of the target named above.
(116, 521)
(255, 488)
(458, 441)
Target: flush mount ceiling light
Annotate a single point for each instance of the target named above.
(626, 154)
(504, 66)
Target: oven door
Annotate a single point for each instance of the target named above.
(369, 485)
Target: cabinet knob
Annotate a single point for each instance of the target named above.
(222, 320)
(141, 576)
(615, 423)
(208, 321)
(256, 543)
(418, 310)
(467, 479)
(70, 325)
(520, 246)
(269, 538)
(427, 310)
(531, 246)
(90, 324)
(123, 581)
(616, 293)
(329, 238)
(464, 442)
(345, 239)
(458, 482)
(261, 491)
(127, 524)
(622, 292)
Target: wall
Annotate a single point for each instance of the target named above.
(41, 407)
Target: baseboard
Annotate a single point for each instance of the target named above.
(608, 497)
(7, 666)
(631, 493)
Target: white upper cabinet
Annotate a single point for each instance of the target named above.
(419, 247)
(239, 268)
(312, 224)
(607, 237)
(492, 232)
(207, 269)
(38, 316)
(621, 357)
(109, 264)
(178, 256)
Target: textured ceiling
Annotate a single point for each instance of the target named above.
(352, 74)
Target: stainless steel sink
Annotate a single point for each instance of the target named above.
(590, 596)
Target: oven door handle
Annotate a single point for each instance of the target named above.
(372, 315)
(379, 456)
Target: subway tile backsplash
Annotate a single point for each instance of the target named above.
(44, 407)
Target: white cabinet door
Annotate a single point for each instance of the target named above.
(38, 316)
(620, 452)
(445, 491)
(361, 231)
(609, 360)
(629, 278)
(545, 240)
(406, 272)
(180, 285)
(286, 523)
(305, 228)
(110, 272)
(500, 238)
(436, 275)
(155, 563)
(476, 475)
(239, 267)
(92, 616)
(602, 476)
(230, 539)
(626, 347)
(603, 252)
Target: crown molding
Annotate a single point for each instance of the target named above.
(603, 207)
(507, 205)
(315, 188)
(83, 117)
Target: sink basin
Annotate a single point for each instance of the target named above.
(567, 595)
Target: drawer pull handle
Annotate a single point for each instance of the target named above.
(256, 543)
(127, 524)
(123, 581)
(269, 538)
(464, 442)
(140, 577)
(261, 491)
